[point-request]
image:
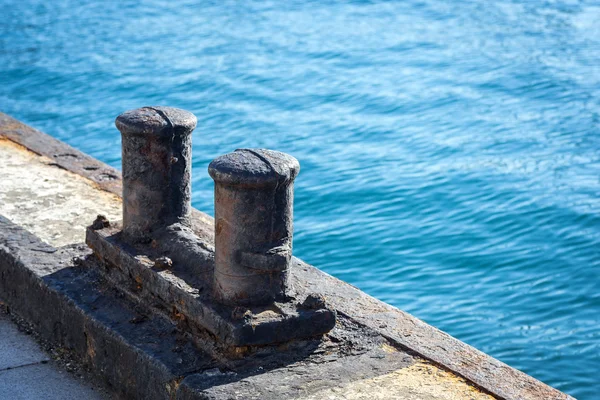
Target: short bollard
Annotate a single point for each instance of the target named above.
(254, 191)
(159, 259)
(156, 156)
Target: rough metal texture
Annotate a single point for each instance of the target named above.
(255, 247)
(156, 169)
(63, 317)
(186, 249)
(254, 192)
(179, 290)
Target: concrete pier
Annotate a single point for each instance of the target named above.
(50, 192)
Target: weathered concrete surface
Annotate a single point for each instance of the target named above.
(137, 355)
(27, 373)
(70, 305)
(16, 348)
(51, 202)
(412, 383)
(43, 382)
(63, 155)
(142, 355)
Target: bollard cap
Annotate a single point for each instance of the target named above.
(254, 167)
(156, 121)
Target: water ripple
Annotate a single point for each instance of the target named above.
(450, 151)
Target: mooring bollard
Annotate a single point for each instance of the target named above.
(161, 260)
(254, 192)
(156, 154)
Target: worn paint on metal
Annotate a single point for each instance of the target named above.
(157, 169)
(156, 224)
(254, 192)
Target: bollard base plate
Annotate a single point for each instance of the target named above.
(183, 294)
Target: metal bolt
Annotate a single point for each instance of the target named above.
(254, 194)
(156, 169)
(100, 222)
(314, 301)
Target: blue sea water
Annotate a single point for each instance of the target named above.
(450, 150)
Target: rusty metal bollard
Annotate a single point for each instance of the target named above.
(156, 169)
(177, 270)
(254, 192)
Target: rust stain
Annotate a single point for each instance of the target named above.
(173, 386)
(91, 347)
(176, 315)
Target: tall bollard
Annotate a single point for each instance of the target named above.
(156, 155)
(254, 192)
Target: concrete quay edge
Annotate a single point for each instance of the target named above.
(22, 254)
